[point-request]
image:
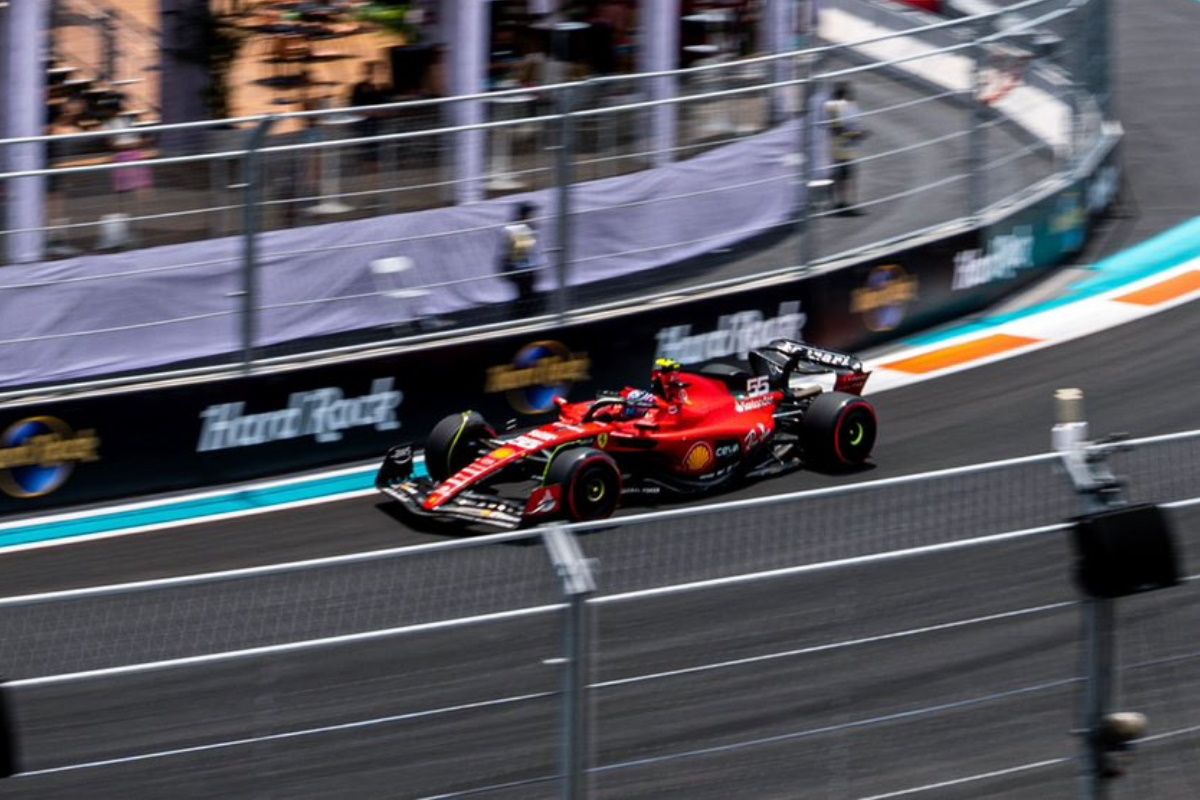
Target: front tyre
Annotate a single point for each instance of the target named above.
(590, 481)
(455, 442)
(838, 430)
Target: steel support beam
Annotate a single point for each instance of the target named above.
(24, 34)
(659, 51)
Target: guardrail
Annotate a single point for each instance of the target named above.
(345, 234)
(922, 607)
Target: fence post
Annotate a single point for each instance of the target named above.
(1098, 489)
(977, 131)
(1100, 14)
(250, 219)
(1075, 62)
(578, 584)
(806, 134)
(564, 160)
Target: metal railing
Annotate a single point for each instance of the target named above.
(629, 206)
(926, 624)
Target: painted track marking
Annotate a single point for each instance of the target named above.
(958, 354)
(1164, 291)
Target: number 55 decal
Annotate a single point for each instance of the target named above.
(758, 386)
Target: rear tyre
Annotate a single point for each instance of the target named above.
(455, 442)
(838, 430)
(590, 481)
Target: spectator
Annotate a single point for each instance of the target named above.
(370, 91)
(845, 134)
(68, 118)
(531, 68)
(505, 59)
(519, 259)
(128, 146)
(621, 16)
(136, 181)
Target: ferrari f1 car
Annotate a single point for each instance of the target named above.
(690, 434)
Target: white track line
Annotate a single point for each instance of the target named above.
(276, 649)
(498, 538)
(982, 776)
(345, 726)
(823, 648)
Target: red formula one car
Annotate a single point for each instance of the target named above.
(690, 434)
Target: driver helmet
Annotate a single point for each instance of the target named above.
(661, 378)
(637, 403)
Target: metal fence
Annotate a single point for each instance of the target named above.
(903, 637)
(939, 152)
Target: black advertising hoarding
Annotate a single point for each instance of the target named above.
(69, 451)
(905, 291)
(138, 442)
(1025, 244)
(132, 443)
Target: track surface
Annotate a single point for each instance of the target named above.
(1141, 378)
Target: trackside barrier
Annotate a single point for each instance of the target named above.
(760, 643)
(298, 339)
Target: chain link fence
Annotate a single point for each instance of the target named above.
(892, 638)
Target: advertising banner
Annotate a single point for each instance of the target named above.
(139, 442)
(130, 443)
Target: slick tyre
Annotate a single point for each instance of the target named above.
(590, 481)
(838, 430)
(455, 442)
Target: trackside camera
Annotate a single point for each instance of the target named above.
(1124, 551)
(1114, 737)
(1120, 728)
(8, 736)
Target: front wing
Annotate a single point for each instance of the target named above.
(467, 506)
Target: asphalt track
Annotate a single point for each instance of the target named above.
(849, 721)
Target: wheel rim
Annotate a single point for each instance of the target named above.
(856, 435)
(594, 492)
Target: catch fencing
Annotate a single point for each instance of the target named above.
(256, 238)
(901, 637)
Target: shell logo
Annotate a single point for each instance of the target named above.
(502, 453)
(699, 456)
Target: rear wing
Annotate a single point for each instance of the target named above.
(782, 358)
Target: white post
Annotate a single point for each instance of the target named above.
(659, 51)
(467, 23)
(777, 34)
(25, 115)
